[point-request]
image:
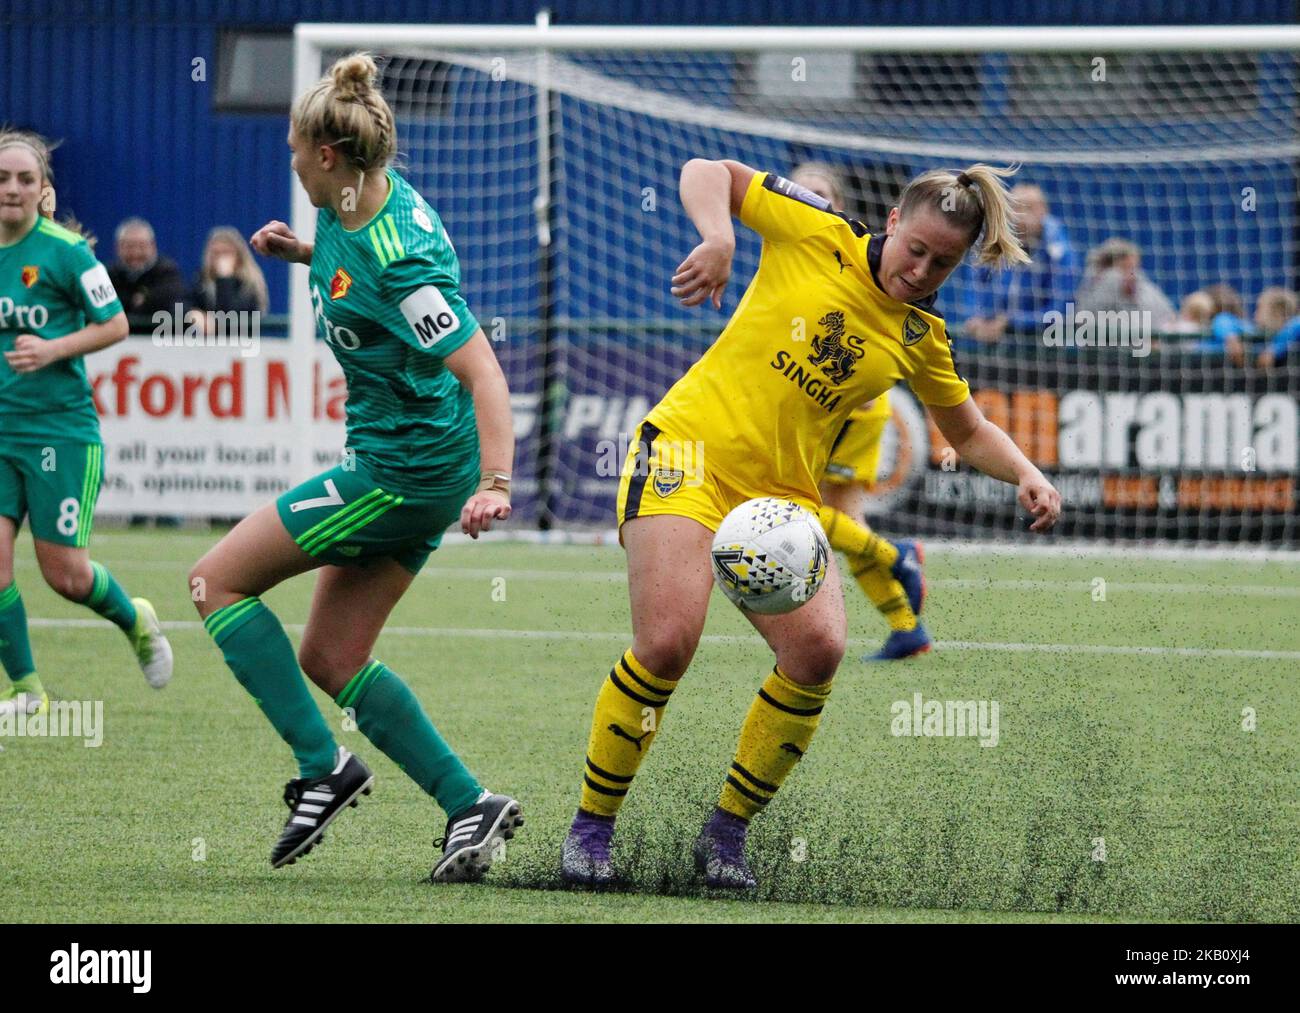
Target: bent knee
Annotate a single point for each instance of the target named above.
(815, 661)
(70, 583)
(667, 653)
(328, 666)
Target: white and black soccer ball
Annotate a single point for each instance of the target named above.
(770, 555)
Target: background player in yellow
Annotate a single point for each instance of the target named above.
(57, 304)
(889, 573)
(833, 318)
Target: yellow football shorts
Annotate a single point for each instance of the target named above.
(855, 455)
(664, 475)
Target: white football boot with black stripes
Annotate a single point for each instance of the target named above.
(313, 804)
(474, 837)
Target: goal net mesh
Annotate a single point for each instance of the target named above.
(556, 175)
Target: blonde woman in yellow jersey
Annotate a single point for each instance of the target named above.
(889, 573)
(833, 318)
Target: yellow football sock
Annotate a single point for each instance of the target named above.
(870, 558)
(629, 708)
(884, 592)
(854, 538)
(776, 733)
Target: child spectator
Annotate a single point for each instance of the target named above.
(1228, 326)
(1275, 317)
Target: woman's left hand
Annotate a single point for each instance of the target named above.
(31, 353)
(481, 509)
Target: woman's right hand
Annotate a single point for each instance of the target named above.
(704, 274)
(276, 239)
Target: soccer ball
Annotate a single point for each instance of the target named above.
(770, 556)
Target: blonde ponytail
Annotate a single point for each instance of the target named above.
(975, 199)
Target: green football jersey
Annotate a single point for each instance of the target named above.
(387, 300)
(50, 285)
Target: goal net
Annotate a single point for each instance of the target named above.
(553, 158)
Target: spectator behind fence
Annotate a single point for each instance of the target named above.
(1228, 326)
(1115, 282)
(1195, 313)
(1276, 319)
(145, 282)
(229, 280)
(1018, 298)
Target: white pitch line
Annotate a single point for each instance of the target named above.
(949, 583)
(748, 638)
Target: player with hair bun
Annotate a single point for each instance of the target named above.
(430, 440)
(766, 402)
(57, 305)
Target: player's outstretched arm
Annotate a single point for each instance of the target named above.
(475, 365)
(989, 449)
(32, 352)
(711, 192)
(276, 239)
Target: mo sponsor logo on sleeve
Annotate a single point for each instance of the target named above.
(75, 966)
(430, 315)
(99, 290)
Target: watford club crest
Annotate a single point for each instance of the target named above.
(31, 275)
(340, 283)
(914, 328)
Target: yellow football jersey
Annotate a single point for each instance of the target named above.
(813, 338)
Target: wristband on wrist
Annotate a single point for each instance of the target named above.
(495, 481)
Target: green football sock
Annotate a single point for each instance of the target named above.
(15, 648)
(109, 599)
(390, 716)
(258, 652)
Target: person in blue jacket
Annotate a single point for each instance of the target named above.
(1017, 298)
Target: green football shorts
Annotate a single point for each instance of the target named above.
(56, 484)
(343, 516)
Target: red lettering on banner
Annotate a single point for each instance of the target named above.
(123, 377)
(157, 382)
(234, 384)
(277, 388)
(190, 385)
(277, 393)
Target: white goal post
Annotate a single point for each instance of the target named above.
(551, 153)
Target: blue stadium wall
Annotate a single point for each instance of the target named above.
(112, 81)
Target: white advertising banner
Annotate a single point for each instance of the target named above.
(205, 431)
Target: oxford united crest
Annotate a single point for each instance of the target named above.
(914, 328)
(668, 481)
